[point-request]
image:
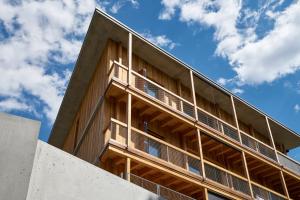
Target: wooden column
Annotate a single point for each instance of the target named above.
(201, 153)
(193, 94)
(274, 147)
(243, 153)
(127, 169)
(205, 194)
(286, 192)
(129, 51)
(271, 138)
(235, 118)
(129, 101)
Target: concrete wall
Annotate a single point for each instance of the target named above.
(61, 176)
(18, 138)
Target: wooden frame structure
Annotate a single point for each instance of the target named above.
(139, 118)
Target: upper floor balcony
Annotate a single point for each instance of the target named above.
(255, 136)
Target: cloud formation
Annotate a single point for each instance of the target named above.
(160, 40)
(39, 43)
(256, 58)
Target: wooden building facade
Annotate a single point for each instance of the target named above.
(167, 128)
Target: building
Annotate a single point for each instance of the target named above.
(143, 115)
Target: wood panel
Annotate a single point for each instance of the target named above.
(96, 89)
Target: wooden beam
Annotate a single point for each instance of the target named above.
(129, 50)
(193, 93)
(129, 120)
(286, 192)
(201, 154)
(127, 169)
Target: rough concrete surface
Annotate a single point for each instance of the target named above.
(18, 138)
(61, 176)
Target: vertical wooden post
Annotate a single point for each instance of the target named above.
(205, 194)
(127, 169)
(284, 185)
(274, 147)
(129, 50)
(243, 153)
(235, 117)
(271, 138)
(201, 153)
(193, 94)
(129, 99)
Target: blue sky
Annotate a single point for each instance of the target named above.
(250, 47)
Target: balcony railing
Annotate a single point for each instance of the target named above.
(119, 72)
(164, 192)
(217, 124)
(116, 131)
(163, 95)
(289, 163)
(226, 178)
(162, 150)
(260, 193)
(258, 146)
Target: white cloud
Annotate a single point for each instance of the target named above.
(237, 91)
(255, 58)
(13, 104)
(40, 39)
(160, 40)
(297, 108)
(119, 4)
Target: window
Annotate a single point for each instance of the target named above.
(151, 146)
(194, 165)
(151, 90)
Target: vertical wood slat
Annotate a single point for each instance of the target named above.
(201, 153)
(240, 138)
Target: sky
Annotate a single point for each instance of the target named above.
(250, 47)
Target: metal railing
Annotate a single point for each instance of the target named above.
(218, 125)
(165, 96)
(289, 163)
(262, 194)
(118, 71)
(226, 179)
(116, 131)
(258, 146)
(162, 191)
(159, 149)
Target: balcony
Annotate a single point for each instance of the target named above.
(218, 124)
(261, 193)
(155, 148)
(226, 178)
(157, 92)
(183, 160)
(182, 106)
(258, 146)
(164, 192)
(289, 163)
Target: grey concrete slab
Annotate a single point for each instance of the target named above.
(61, 176)
(18, 138)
